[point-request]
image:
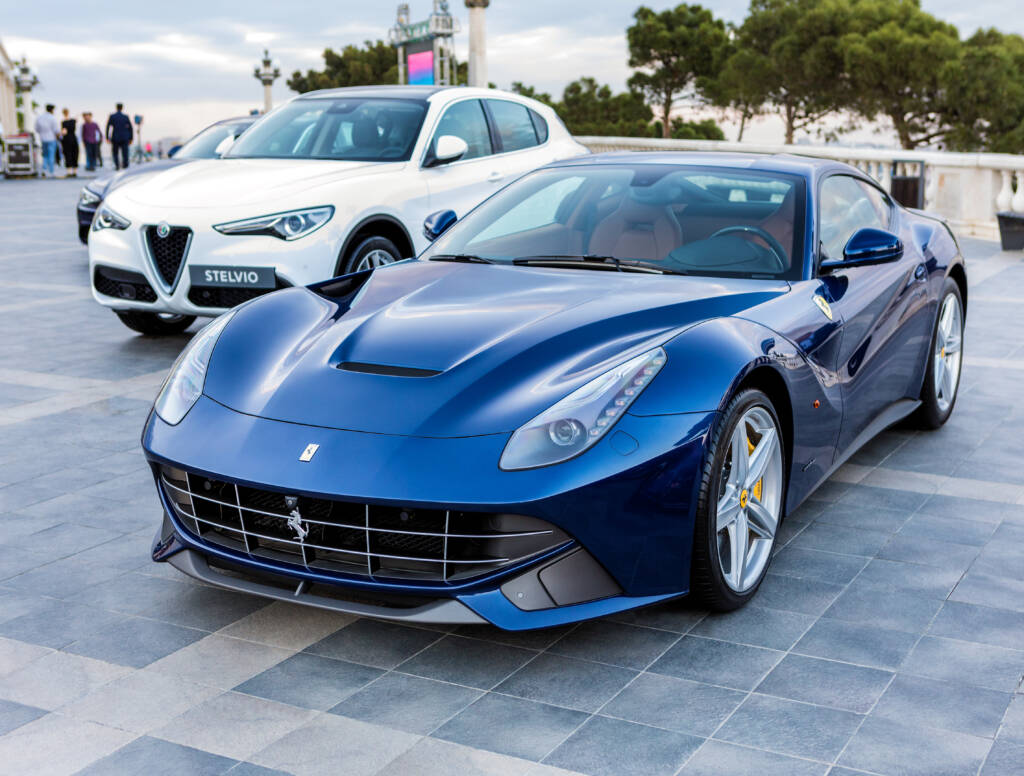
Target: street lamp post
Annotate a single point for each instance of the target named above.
(267, 75)
(25, 81)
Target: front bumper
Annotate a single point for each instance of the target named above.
(631, 513)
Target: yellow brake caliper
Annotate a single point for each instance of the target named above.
(756, 490)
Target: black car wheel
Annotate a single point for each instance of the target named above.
(740, 503)
(83, 233)
(155, 324)
(370, 253)
(945, 357)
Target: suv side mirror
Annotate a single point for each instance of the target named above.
(447, 149)
(224, 145)
(438, 223)
(867, 246)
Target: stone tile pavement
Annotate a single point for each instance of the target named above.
(888, 638)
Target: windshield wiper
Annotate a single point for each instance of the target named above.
(463, 257)
(634, 265)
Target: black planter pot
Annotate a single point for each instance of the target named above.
(1011, 231)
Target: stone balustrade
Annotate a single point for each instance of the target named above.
(964, 188)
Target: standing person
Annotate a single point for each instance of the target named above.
(91, 137)
(69, 143)
(120, 135)
(47, 128)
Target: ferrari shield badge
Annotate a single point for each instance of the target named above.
(823, 305)
(310, 451)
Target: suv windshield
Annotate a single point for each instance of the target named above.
(204, 145)
(718, 221)
(355, 129)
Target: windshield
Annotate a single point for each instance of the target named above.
(356, 129)
(692, 220)
(204, 145)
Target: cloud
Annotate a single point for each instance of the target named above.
(558, 55)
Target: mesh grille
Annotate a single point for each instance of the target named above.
(367, 540)
(168, 252)
(123, 285)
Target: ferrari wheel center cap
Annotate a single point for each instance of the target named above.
(744, 499)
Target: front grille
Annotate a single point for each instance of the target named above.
(219, 296)
(168, 253)
(122, 284)
(366, 540)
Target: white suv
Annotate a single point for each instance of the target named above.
(330, 182)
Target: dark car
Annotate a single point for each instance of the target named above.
(603, 388)
(201, 146)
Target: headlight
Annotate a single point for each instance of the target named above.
(287, 226)
(108, 219)
(184, 383)
(579, 420)
(88, 198)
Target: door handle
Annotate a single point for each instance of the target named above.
(494, 177)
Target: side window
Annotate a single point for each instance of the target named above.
(466, 120)
(513, 124)
(880, 202)
(844, 206)
(540, 125)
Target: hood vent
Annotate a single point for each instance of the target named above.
(385, 369)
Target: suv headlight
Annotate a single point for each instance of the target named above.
(108, 219)
(184, 383)
(87, 198)
(286, 226)
(578, 421)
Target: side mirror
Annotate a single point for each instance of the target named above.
(438, 223)
(447, 149)
(867, 246)
(173, 151)
(224, 145)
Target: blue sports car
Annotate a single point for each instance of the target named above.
(605, 387)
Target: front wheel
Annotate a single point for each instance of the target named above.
(740, 503)
(945, 357)
(370, 253)
(155, 324)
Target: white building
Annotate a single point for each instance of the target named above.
(8, 112)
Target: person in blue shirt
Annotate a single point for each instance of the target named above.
(120, 135)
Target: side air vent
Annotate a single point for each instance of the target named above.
(385, 369)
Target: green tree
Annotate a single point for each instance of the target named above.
(984, 91)
(673, 49)
(376, 63)
(528, 91)
(796, 56)
(896, 57)
(590, 108)
(740, 85)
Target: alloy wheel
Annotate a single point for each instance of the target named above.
(749, 499)
(947, 357)
(373, 259)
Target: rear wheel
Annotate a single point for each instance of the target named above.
(369, 253)
(945, 357)
(155, 324)
(740, 503)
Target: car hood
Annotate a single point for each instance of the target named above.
(104, 184)
(448, 350)
(207, 183)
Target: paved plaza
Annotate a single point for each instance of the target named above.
(888, 637)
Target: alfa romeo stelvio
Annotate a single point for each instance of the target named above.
(601, 389)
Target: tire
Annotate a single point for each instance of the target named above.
(155, 324)
(714, 583)
(83, 234)
(369, 253)
(945, 351)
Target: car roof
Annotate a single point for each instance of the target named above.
(806, 166)
(391, 90)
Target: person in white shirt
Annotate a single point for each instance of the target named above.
(48, 129)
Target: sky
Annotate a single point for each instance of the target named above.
(185, 64)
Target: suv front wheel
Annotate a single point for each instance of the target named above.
(369, 253)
